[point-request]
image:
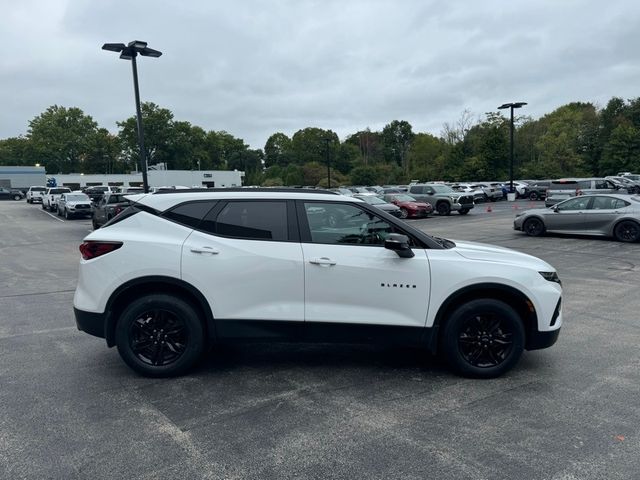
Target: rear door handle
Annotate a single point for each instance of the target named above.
(205, 250)
(323, 261)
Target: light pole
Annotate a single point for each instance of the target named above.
(326, 153)
(130, 52)
(511, 106)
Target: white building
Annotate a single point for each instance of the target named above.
(156, 178)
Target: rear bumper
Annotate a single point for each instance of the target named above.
(90, 322)
(538, 340)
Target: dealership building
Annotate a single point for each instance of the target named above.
(155, 178)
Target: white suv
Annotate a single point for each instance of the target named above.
(179, 270)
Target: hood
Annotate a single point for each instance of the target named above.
(491, 253)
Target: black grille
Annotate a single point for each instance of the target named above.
(465, 199)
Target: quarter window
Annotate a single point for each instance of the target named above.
(334, 223)
(264, 220)
(190, 214)
(607, 203)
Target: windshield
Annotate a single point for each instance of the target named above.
(443, 189)
(38, 189)
(404, 198)
(77, 198)
(371, 200)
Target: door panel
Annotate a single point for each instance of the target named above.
(262, 280)
(365, 284)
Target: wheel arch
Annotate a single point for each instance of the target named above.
(137, 287)
(517, 300)
(619, 221)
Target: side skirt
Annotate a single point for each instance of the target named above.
(320, 332)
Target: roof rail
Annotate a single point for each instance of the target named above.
(246, 190)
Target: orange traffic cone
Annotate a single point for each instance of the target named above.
(489, 208)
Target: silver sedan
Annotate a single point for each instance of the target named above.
(611, 215)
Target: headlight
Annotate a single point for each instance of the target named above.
(454, 199)
(551, 277)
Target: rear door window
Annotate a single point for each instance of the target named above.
(250, 220)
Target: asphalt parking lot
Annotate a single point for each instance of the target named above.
(70, 408)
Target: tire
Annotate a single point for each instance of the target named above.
(534, 227)
(94, 224)
(627, 231)
(43, 207)
(443, 209)
(58, 212)
(463, 211)
(29, 200)
(17, 197)
(160, 336)
(66, 214)
(404, 213)
(483, 339)
(533, 196)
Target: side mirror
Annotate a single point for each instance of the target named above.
(555, 208)
(400, 244)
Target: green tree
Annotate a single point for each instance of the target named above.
(622, 151)
(277, 150)
(397, 137)
(17, 151)
(61, 138)
(364, 175)
(310, 145)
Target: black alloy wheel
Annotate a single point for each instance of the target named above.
(533, 196)
(533, 227)
(443, 208)
(483, 338)
(160, 335)
(404, 213)
(627, 231)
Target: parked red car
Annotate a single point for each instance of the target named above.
(409, 206)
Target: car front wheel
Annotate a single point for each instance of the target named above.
(627, 231)
(160, 336)
(463, 211)
(404, 213)
(483, 338)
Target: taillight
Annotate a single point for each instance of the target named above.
(91, 249)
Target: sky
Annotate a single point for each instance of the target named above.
(253, 68)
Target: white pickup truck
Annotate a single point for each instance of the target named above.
(35, 193)
(50, 198)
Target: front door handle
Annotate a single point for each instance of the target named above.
(205, 250)
(323, 261)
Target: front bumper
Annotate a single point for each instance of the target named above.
(538, 340)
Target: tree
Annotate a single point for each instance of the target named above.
(426, 157)
(158, 129)
(61, 137)
(17, 151)
(310, 145)
(622, 151)
(397, 137)
(277, 150)
(363, 175)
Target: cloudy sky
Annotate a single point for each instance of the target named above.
(253, 68)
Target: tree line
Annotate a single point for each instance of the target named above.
(577, 139)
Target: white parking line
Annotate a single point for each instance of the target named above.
(53, 216)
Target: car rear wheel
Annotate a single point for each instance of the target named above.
(627, 231)
(463, 211)
(160, 336)
(533, 196)
(443, 208)
(533, 227)
(404, 213)
(483, 338)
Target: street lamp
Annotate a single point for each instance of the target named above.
(511, 106)
(326, 153)
(130, 52)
